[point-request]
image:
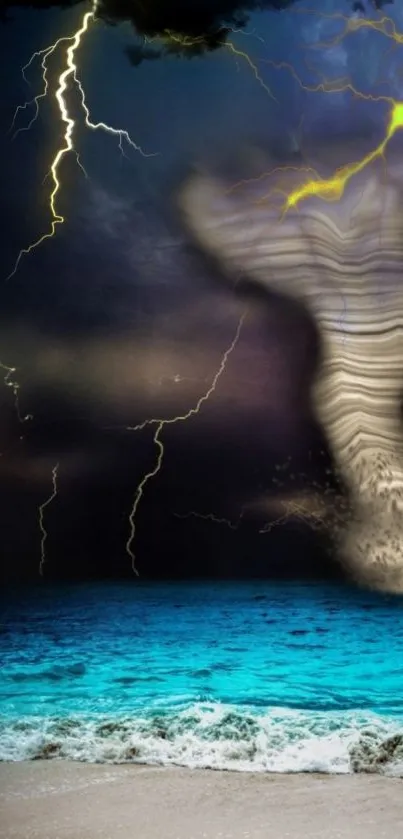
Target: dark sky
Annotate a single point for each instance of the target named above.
(119, 319)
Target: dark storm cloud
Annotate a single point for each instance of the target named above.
(197, 25)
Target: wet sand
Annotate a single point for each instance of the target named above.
(63, 800)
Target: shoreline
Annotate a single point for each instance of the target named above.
(66, 800)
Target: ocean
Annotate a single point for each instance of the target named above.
(256, 676)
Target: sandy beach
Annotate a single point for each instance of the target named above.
(63, 800)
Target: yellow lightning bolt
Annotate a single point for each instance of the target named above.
(242, 32)
(246, 57)
(187, 41)
(41, 514)
(332, 188)
(385, 25)
(69, 73)
(160, 424)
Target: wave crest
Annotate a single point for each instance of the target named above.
(216, 736)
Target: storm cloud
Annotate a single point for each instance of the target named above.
(179, 27)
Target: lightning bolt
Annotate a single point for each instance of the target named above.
(296, 510)
(68, 74)
(210, 517)
(67, 143)
(332, 188)
(159, 426)
(243, 32)
(41, 514)
(46, 52)
(187, 41)
(14, 386)
(385, 25)
(109, 129)
(246, 57)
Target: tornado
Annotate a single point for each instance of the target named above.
(340, 255)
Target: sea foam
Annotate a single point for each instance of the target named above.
(216, 736)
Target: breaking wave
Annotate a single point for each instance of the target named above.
(215, 736)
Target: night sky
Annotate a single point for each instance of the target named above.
(119, 318)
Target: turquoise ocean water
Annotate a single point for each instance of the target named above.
(245, 676)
